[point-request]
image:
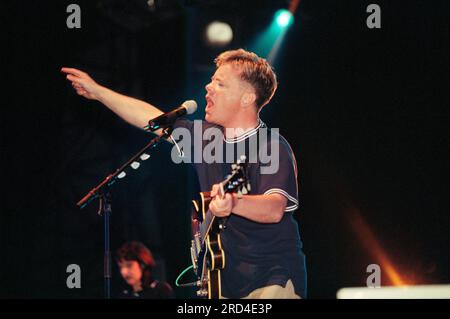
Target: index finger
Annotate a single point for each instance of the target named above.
(214, 190)
(72, 71)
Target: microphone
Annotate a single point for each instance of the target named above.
(166, 119)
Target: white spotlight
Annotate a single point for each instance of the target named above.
(219, 33)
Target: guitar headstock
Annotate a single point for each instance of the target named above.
(237, 181)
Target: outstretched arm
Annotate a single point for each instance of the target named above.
(133, 111)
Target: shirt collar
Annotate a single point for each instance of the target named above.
(246, 135)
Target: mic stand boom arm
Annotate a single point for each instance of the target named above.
(112, 178)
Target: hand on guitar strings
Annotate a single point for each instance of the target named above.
(221, 204)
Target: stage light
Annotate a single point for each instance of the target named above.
(219, 34)
(284, 18)
(268, 42)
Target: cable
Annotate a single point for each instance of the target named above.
(181, 274)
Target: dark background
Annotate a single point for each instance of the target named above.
(365, 112)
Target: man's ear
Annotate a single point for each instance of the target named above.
(248, 99)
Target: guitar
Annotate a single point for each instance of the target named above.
(208, 257)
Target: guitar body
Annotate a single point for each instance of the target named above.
(208, 256)
(211, 256)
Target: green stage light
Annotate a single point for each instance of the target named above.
(284, 18)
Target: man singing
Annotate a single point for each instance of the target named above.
(261, 240)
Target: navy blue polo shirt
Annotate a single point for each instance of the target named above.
(256, 254)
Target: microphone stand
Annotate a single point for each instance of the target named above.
(102, 191)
